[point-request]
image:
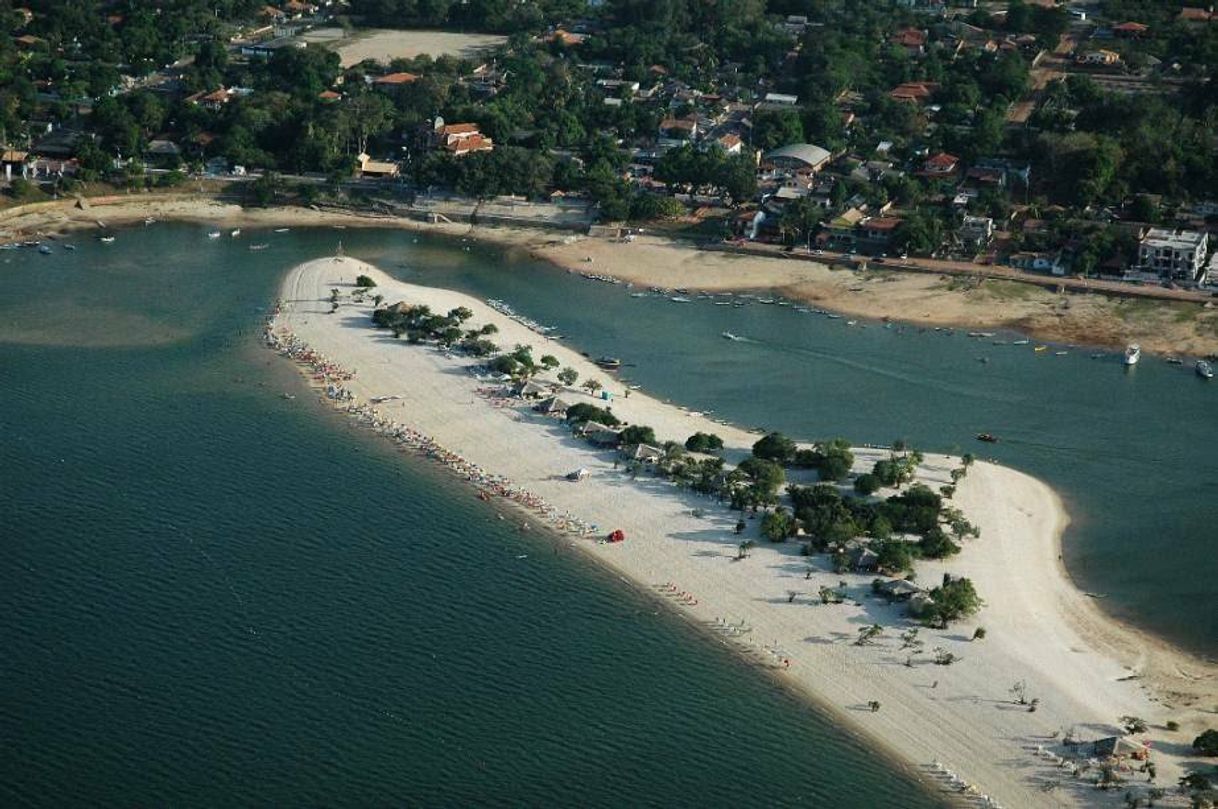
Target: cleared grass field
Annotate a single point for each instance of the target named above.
(385, 45)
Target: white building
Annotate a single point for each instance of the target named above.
(1174, 253)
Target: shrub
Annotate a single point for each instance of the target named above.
(365, 282)
(1207, 743)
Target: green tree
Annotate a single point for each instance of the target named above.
(775, 447)
(953, 600)
(703, 442)
(638, 434)
(568, 376)
(778, 525)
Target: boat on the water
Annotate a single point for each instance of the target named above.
(106, 239)
(1020, 342)
(259, 246)
(235, 232)
(988, 438)
(45, 249)
(680, 299)
(1132, 354)
(1204, 369)
(69, 247)
(609, 363)
(282, 230)
(215, 234)
(727, 335)
(1174, 361)
(1040, 349)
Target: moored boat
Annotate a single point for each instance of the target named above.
(1132, 354)
(609, 363)
(215, 234)
(1204, 369)
(988, 438)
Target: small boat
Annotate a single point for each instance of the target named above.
(851, 322)
(1060, 353)
(1132, 354)
(259, 246)
(609, 363)
(723, 303)
(1174, 361)
(988, 438)
(834, 317)
(45, 249)
(69, 247)
(1204, 369)
(638, 294)
(149, 221)
(282, 230)
(981, 334)
(235, 232)
(215, 234)
(1021, 342)
(1040, 349)
(106, 240)
(679, 299)
(727, 335)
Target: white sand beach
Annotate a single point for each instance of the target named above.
(959, 719)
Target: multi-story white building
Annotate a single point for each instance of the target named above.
(1177, 254)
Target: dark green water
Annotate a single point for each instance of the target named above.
(212, 596)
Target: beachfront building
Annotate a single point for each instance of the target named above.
(1177, 254)
(798, 157)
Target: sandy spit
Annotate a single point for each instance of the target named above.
(1085, 669)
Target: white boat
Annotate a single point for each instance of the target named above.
(69, 247)
(106, 239)
(1132, 354)
(149, 221)
(235, 232)
(45, 249)
(215, 234)
(259, 246)
(679, 299)
(1204, 370)
(1020, 342)
(727, 335)
(282, 230)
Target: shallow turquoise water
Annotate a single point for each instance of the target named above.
(215, 596)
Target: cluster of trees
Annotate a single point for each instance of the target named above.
(832, 459)
(704, 442)
(690, 168)
(419, 324)
(584, 412)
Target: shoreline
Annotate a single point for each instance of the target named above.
(1014, 643)
(920, 299)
